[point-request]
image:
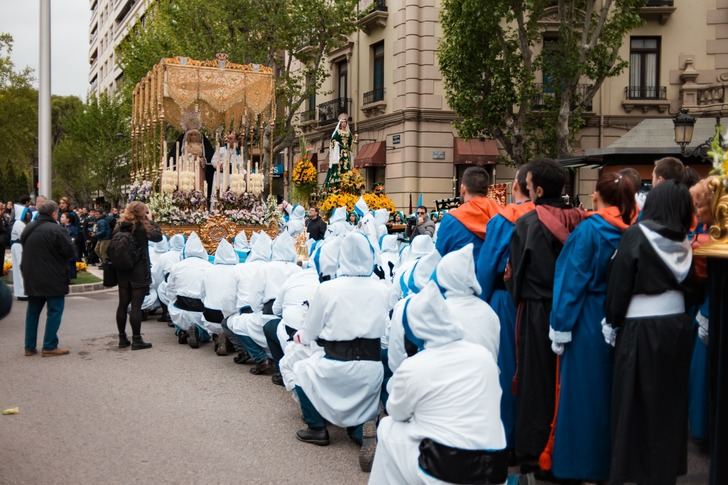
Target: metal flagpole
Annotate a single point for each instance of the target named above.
(44, 101)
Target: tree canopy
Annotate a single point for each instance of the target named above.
(490, 59)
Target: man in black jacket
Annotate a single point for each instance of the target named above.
(47, 248)
(315, 227)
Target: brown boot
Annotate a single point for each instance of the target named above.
(30, 352)
(55, 352)
(262, 368)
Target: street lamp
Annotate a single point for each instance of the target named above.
(684, 126)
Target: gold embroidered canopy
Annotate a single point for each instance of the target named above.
(225, 95)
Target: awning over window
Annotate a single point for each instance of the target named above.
(475, 152)
(371, 155)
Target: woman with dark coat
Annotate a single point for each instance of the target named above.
(134, 284)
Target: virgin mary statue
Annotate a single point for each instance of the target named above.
(339, 151)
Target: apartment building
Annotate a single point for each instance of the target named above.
(387, 78)
(110, 23)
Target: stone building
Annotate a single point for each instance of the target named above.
(387, 78)
(111, 21)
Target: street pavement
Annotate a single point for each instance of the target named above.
(170, 414)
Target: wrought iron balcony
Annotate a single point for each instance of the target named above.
(645, 92)
(658, 9)
(660, 3)
(330, 110)
(547, 93)
(373, 16)
(374, 96)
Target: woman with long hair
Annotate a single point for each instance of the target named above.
(134, 283)
(646, 299)
(581, 437)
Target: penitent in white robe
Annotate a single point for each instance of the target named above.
(16, 254)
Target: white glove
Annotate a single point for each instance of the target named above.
(703, 323)
(609, 332)
(557, 348)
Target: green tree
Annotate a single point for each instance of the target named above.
(249, 31)
(489, 59)
(92, 155)
(18, 112)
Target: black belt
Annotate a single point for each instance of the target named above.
(15, 241)
(357, 349)
(454, 465)
(212, 315)
(268, 307)
(189, 304)
(245, 309)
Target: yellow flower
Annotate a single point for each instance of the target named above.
(304, 173)
(80, 266)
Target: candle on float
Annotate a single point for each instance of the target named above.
(164, 154)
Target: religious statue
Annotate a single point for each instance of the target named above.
(339, 151)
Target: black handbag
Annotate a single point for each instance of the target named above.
(110, 277)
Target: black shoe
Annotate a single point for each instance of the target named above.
(221, 347)
(368, 446)
(123, 341)
(182, 337)
(242, 357)
(260, 368)
(192, 339)
(277, 379)
(139, 344)
(319, 437)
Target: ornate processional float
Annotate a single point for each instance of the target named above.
(190, 182)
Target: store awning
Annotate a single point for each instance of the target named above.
(653, 138)
(475, 152)
(371, 155)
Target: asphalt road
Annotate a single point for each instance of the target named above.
(166, 415)
(170, 414)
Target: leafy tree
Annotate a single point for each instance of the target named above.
(91, 156)
(249, 31)
(490, 58)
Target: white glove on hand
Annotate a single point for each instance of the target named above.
(609, 332)
(557, 348)
(703, 323)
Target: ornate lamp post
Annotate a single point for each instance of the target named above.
(684, 126)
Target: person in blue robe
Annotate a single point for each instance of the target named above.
(698, 391)
(581, 445)
(467, 223)
(490, 268)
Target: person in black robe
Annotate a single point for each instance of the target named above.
(650, 281)
(536, 243)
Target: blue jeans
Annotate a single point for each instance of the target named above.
(254, 350)
(314, 420)
(53, 321)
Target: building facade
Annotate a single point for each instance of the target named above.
(387, 78)
(111, 21)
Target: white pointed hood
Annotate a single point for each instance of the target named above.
(194, 248)
(241, 242)
(283, 248)
(381, 216)
(326, 257)
(422, 245)
(356, 257)
(161, 246)
(225, 253)
(369, 229)
(389, 244)
(338, 215)
(260, 247)
(298, 213)
(177, 242)
(427, 321)
(415, 279)
(455, 274)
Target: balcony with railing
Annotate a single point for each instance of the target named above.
(659, 9)
(545, 96)
(646, 98)
(374, 16)
(373, 102)
(330, 110)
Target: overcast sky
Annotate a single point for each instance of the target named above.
(69, 40)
